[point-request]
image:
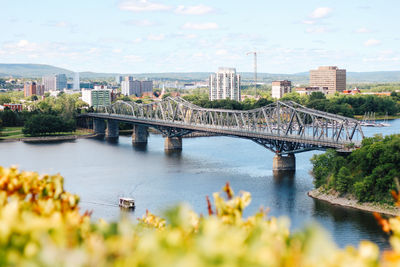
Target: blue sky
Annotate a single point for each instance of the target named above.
(136, 36)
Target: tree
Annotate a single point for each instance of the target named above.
(47, 124)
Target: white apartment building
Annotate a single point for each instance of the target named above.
(99, 96)
(225, 84)
(280, 88)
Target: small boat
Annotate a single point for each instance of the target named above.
(126, 203)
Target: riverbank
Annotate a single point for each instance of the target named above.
(333, 198)
(37, 139)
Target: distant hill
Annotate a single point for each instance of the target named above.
(39, 70)
(30, 70)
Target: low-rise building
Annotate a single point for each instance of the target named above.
(310, 89)
(280, 88)
(13, 107)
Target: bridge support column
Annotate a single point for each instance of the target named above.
(173, 144)
(139, 135)
(112, 129)
(99, 127)
(284, 163)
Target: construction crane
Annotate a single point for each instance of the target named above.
(255, 70)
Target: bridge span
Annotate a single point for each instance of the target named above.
(285, 128)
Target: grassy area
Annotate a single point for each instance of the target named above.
(16, 132)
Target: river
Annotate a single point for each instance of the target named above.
(101, 171)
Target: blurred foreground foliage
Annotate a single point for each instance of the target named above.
(40, 225)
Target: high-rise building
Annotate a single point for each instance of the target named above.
(329, 76)
(135, 87)
(225, 84)
(29, 89)
(118, 79)
(49, 83)
(40, 89)
(100, 96)
(55, 82)
(280, 88)
(76, 82)
(61, 81)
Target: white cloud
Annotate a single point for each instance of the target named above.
(137, 40)
(308, 22)
(321, 12)
(194, 10)
(142, 5)
(153, 37)
(117, 50)
(200, 26)
(362, 30)
(221, 52)
(93, 50)
(61, 24)
(372, 42)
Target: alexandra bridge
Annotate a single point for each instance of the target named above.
(285, 128)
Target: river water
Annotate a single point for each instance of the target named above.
(100, 172)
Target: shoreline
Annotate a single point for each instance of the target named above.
(349, 202)
(38, 139)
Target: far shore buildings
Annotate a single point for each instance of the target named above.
(55, 82)
(129, 86)
(99, 96)
(329, 76)
(32, 88)
(310, 89)
(225, 84)
(280, 88)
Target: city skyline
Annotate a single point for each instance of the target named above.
(138, 36)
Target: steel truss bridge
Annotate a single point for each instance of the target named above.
(282, 127)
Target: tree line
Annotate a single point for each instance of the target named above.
(342, 105)
(368, 173)
(49, 116)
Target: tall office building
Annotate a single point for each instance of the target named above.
(135, 87)
(329, 76)
(280, 88)
(55, 82)
(61, 81)
(225, 84)
(118, 79)
(29, 89)
(76, 82)
(49, 83)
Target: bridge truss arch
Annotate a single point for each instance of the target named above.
(282, 127)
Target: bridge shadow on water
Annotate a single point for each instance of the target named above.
(285, 190)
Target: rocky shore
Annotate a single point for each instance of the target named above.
(333, 197)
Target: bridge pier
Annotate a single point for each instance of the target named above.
(112, 129)
(284, 163)
(173, 144)
(139, 135)
(99, 127)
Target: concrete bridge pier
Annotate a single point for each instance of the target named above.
(173, 144)
(99, 127)
(284, 163)
(112, 129)
(139, 135)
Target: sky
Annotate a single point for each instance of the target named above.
(144, 36)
